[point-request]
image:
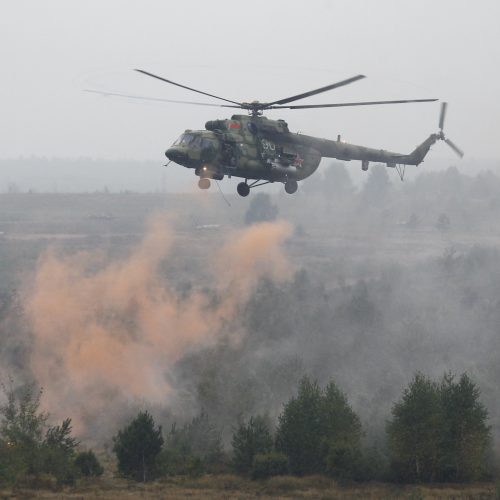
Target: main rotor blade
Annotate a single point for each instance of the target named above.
(343, 104)
(156, 99)
(317, 91)
(185, 87)
(455, 148)
(442, 116)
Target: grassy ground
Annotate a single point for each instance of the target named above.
(229, 487)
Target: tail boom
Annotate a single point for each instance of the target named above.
(344, 151)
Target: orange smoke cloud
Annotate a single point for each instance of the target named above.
(106, 329)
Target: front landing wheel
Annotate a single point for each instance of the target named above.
(204, 183)
(243, 189)
(291, 186)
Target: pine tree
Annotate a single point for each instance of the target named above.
(343, 432)
(465, 436)
(439, 432)
(319, 431)
(137, 446)
(413, 432)
(300, 433)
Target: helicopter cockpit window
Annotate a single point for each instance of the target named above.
(184, 140)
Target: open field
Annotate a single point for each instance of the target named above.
(348, 241)
(234, 487)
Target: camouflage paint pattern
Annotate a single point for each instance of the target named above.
(254, 147)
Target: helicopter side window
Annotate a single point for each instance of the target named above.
(196, 142)
(208, 149)
(207, 144)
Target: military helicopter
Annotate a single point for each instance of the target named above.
(263, 151)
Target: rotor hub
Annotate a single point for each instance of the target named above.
(255, 108)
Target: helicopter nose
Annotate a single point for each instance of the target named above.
(175, 154)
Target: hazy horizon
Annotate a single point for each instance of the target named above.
(51, 51)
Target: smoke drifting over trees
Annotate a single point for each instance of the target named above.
(227, 321)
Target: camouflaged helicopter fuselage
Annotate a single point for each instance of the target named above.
(254, 147)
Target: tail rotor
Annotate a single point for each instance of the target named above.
(453, 146)
(442, 116)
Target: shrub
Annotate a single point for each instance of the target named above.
(13, 465)
(192, 449)
(248, 440)
(176, 462)
(269, 464)
(59, 464)
(344, 461)
(87, 464)
(57, 452)
(374, 465)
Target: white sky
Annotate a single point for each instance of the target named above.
(50, 50)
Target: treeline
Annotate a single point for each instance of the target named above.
(69, 175)
(437, 432)
(469, 202)
(335, 183)
(445, 200)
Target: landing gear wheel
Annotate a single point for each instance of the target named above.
(243, 189)
(204, 183)
(291, 186)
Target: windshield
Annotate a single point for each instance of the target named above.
(184, 140)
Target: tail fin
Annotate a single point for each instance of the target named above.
(419, 153)
(417, 156)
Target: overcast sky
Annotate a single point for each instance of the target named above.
(51, 50)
